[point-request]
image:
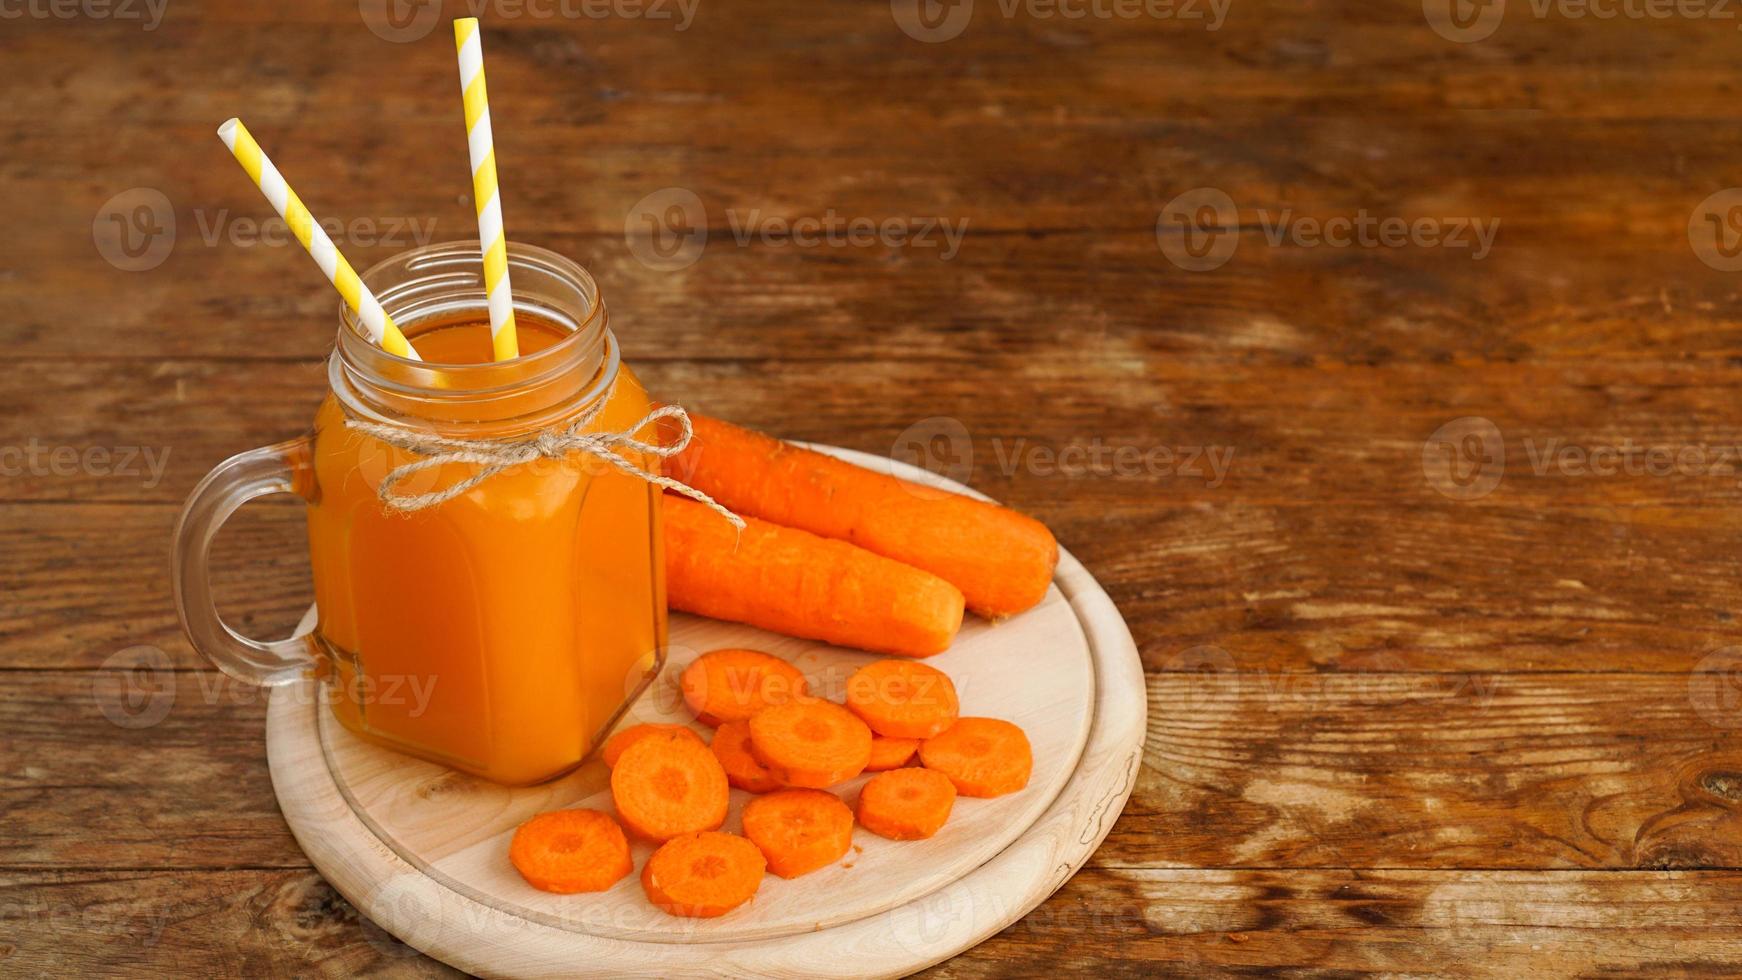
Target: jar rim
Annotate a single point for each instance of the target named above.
(456, 267)
(444, 281)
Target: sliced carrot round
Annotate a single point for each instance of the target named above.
(619, 742)
(703, 875)
(731, 746)
(799, 830)
(569, 851)
(732, 685)
(906, 804)
(981, 756)
(813, 744)
(890, 753)
(667, 785)
(903, 698)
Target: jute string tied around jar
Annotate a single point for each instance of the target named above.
(492, 456)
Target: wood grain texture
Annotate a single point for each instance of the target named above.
(1124, 923)
(1421, 689)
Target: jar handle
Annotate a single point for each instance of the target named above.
(283, 468)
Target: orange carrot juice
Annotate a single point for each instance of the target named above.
(501, 631)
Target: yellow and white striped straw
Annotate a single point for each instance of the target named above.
(376, 322)
(481, 142)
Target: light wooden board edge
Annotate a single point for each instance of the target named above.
(954, 916)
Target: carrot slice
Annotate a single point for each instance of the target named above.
(703, 875)
(813, 744)
(731, 746)
(903, 699)
(906, 804)
(569, 851)
(1001, 560)
(619, 742)
(732, 685)
(799, 830)
(890, 753)
(667, 785)
(981, 756)
(794, 582)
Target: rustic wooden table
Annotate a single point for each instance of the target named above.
(1425, 694)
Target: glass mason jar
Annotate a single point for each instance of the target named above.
(503, 631)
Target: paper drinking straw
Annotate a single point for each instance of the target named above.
(484, 192)
(376, 322)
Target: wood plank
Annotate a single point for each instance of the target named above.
(1576, 771)
(1281, 587)
(1136, 922)
(1511, 771)
(1060, 294)
(1061, 195)
(1295, 432)
(140, 768)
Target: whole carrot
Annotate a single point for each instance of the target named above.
(793, 582)
(1000, 559)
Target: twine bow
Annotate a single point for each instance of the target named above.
(492, 456)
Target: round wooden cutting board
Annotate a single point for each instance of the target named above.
(422, 850)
